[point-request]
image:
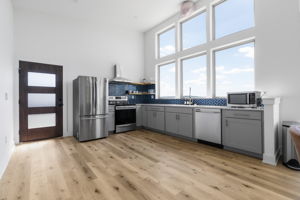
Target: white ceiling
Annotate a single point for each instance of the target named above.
(136, 14)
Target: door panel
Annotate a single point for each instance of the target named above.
(160, 121)
(41, 100)
(41, 120)
(150, 119)
(185, 125)
(40, 104)
(243, 134)
(41, 79)
(171, 122)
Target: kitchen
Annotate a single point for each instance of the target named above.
(107, 100)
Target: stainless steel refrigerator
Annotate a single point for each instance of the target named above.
(90, 108)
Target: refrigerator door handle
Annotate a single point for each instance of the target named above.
(94, 117)
(95, 96)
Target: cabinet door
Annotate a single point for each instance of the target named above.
(243, 134)
(111, 121)
(171, 122)
(144, 116)
(160, 121)
(139, 116)
(185, 125)
(150, 119)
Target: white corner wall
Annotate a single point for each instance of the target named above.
(277, 52)
(82, 48)
(6, 83)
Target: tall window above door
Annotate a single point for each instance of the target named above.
(193, 31)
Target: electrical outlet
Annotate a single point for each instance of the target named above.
(6, 96)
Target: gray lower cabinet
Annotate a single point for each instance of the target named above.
(243, 131)
(111, 118)
(171, 122)
(156, 120)
(144, 116)
(179, 124)
(185, 125)
(139, 116)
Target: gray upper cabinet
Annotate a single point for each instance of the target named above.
(179, 121)
(242, 130)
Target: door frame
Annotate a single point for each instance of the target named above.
(26, 134)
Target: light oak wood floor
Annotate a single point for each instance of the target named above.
(141, 165)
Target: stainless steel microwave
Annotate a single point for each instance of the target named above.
(243, 99)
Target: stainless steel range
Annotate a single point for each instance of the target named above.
(125, 114)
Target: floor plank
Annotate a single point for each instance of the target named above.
(140, 165)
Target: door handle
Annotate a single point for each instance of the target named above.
(60, 103)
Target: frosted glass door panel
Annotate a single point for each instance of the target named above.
(41, 100)
(41, 120)
(41, 79)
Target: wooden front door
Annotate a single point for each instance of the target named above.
(41, 101)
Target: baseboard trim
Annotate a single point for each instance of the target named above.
(5, 164)
(272, 159)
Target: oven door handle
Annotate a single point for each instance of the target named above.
(125, 108)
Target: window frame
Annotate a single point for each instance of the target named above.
(224, 47)
(212, 44)
(213, 20)
(185, 19)
(157, 40)
(198, 54)
(157, 79)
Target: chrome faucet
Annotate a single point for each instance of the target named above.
(190, 102)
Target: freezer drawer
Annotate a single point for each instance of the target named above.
(91, 128)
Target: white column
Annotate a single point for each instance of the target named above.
(271, 131)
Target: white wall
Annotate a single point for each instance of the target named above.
(82, 48)
(277, 51)
(6, 83)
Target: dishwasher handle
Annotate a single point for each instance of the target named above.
(208, 110)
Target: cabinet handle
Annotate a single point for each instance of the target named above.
(178, 117)
(242, 115)
(226, 123)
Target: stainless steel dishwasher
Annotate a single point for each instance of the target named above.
(208, 125)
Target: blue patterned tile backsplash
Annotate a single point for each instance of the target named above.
(119, 89)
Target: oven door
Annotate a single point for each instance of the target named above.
(125, 115)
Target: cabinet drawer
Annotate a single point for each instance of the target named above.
(179, 110)
(156, 108)
(242, 114)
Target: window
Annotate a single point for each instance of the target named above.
(200, 58)
(194, 31)
(234, 69)
(167, 80)
(232, 16)
(194, 76)
(166, 43)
